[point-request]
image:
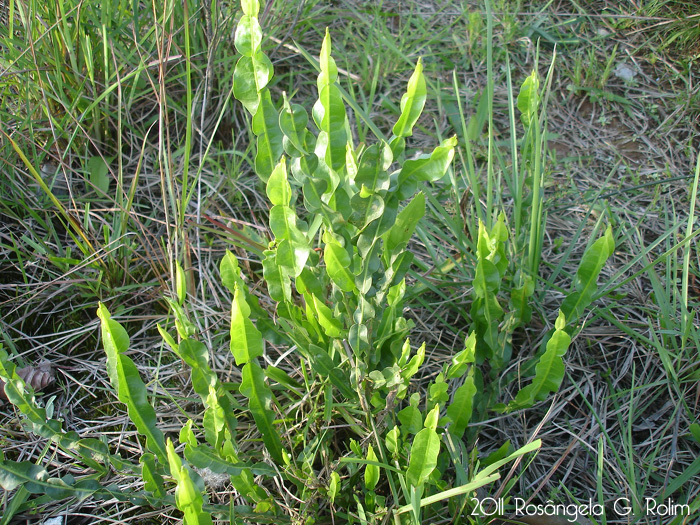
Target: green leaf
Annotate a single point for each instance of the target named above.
(202, 456)
(214, 420)
(396, 239)
(334, 486)
(130, 388)
(487, 313)
(283, 378)
(460, 410)
(185, 327)
(99, 174)
(338, 264)
(431, 419)
(487, 279)
(483, 477)
(277, 278)
(371, 173)
(437, 392)
(35, 479)
(133, 393)
(292, 248)
(329, 111)
(259, 396)
(151, 476)
(188, 497)
(278, 189)
(115, 340)
(331, 326)
(519, 301)
(415, 363)
(269, 144)
(180, 283)
(248, 36)
(293, 123)
(410, 419)
(528, 98)
(392, 441)
(398, 146)
(308, 282)
(329, 71)
(461, 360)
(246, 340)
(304, 167)
(92, 451)
(423, 459)
(230, 272)
(250, 7)
(250, 76)
(585, 282)
(324, 366)
(412, 103)
(366, 210)
(430, 168)
(329, 115)
(549, 371)
(371, 471)
(196, 355)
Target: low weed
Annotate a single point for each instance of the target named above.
(346, 432)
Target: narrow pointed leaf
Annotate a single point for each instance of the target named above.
(230, 272)
(278, 189)
(423, 459)
(412, 103)
(460, 410)
(585, 283)
(269, 144)
(329, 71)
(246, 340)
(259, 397)
(528, 98)
(549, 371)
(151, 475)
(36, 480)
(371, 471)
(329, 115)
(396, 239)
(130, 388)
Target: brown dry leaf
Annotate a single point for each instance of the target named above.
(38, 377)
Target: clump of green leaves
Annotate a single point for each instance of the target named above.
(341, 216)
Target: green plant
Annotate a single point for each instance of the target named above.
(337, 273)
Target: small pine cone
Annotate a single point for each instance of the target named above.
(38, 377)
